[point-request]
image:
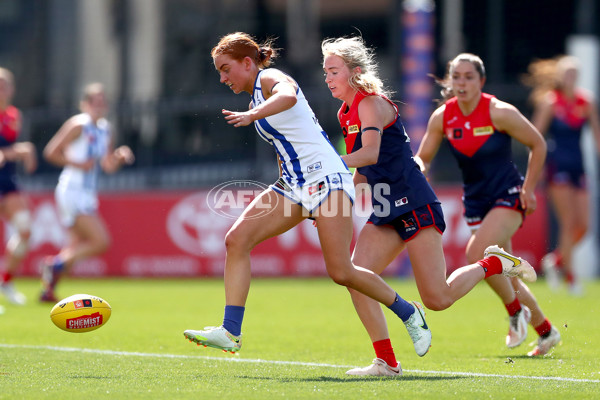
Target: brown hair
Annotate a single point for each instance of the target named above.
(445, 82)
(239, 45)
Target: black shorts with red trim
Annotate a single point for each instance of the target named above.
(476, 211)
(408, 225)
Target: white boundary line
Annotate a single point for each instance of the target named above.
(304, 364)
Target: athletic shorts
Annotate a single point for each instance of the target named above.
(7, 186)
(312, 194)
(475, 211)
(573, 177)
(72, 203)
(409, 225)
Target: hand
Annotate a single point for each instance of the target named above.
(124, 155)
(238, 119)
(528, 201)
(28, 156)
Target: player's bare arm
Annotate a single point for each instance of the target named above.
(431, 140)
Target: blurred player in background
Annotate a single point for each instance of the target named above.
(14, 207)
(561, 111)
(479, 129)
(378, 146)
(314, 182)
(82, 146)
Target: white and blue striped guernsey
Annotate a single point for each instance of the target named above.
(305, 152)
(91, 144)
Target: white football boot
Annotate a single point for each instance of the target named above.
(546, 343)
(550, 269)
(378, 368)
(216, 337)
(418, 330)
(512, 266)
(517, 328)
(12, 294)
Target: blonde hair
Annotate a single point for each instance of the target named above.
(543, 75)
(7, 75)
(239, 45)
(354, 52)
(446, 83)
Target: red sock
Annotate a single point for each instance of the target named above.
(569, 277)
(559, 258)
(491, 266)
(383, 349)
(6, 277)
(543, 328)
(513, 307)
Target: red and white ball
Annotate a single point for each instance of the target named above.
(80, 313)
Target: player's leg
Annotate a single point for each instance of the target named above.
(376, 247)
(88, 237)
(498, 226)
(562, 196)
(15, 211)
(581, 207)
(268, 215)
(254, 226)
(548, 334)
(335, 234)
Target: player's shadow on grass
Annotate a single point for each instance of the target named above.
(355, 378)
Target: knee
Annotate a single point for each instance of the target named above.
(103, 244)
(342, 278)
(437, 303)
(235, 241)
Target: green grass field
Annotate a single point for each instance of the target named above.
(300, 336)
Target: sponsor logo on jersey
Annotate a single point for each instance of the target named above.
(483, 131)
(353, 129)
(314, 167)
(468, 125)
(457, 133)
(401, 202)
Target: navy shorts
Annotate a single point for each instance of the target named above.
(408, 225)
(475, 211)
(572, 177)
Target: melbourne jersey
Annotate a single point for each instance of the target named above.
(92, 144)
(483, 153)
(564, 132)
(396, 180)
(302, 146)
(10, 127)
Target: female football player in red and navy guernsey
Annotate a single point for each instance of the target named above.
(314, 182)
(561, 111)
(407, 214)
(14, 207)
(479, 129)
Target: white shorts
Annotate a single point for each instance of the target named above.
(72, 203)
(312, 194)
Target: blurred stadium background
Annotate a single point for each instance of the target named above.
(154, 58)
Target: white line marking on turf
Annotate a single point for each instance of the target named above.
(304, 364)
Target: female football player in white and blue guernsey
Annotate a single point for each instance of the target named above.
(81, 146)
(314, 183)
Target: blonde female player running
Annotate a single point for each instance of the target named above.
(378, 147)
